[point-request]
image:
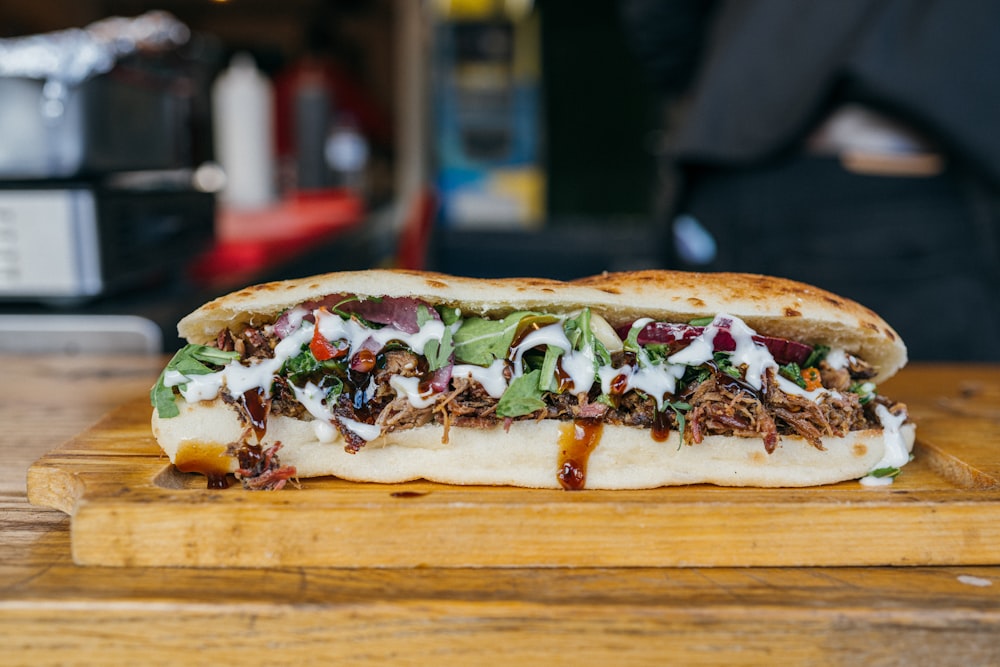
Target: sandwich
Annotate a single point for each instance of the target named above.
(618, 381)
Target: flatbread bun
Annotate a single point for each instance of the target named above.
(771, 306)
(528, 455)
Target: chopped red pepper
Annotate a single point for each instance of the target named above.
(323, 349)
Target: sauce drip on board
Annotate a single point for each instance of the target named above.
(208, 458)
(577, 440)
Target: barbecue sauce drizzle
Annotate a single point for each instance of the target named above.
(661, 426)
(577, 439)
(256, 408)
(576, 442)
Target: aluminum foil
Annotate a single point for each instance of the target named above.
(67, 58)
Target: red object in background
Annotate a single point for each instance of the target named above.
(415, 235)
(250, 241)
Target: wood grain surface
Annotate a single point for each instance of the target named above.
(129, 506)
(53, 611)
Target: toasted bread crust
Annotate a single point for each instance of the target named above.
(772, 306)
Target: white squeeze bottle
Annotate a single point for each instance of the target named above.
(243, 125)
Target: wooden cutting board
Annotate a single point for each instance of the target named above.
(130, 507)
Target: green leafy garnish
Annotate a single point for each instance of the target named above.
(423, 315)
(581, 337)
(189, 360)
(449, 315)
(547, 379)
(793, 372)
(631, 342)
(723, 360)
(522, 397)
(701, 321)
(657, 353)
(694, 375)
(607, 400)
(885, 472)
(438, 353)
(679, 408)
(304, 366)
(481, 341)
(817, 355)
(864, 390)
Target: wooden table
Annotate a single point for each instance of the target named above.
(54, 612)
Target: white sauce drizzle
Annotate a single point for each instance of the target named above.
(700, 350)
(837, 359)
(410, 387)
(490, 377)
(552, 334)
(749, 352)
(580, 368)
(790, 387)
(311, 397)
(325, 432)
(896, 454)
(657, 380)
(366, 432)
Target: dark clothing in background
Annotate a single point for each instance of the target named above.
(751, 80)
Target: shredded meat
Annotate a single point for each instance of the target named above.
(722, 405)
(260, 468)
(835, 379)
(250, 343)
(719, 405)
(283, 401)
(574, 406)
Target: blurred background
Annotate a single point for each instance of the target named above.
(154, 155)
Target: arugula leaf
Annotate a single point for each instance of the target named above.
(522, 396)
(438, 353)
(631, 342)
(423, 315)
(701, 321)
(481, 341)
(161, 397)
(449, 315)
(190, 360)
(694, 375)
(547, 379)
(679, 408)
(581, 336)
(885, 472)
(304, 366)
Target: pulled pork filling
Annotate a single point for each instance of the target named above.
(720, 404)
(369, 367)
